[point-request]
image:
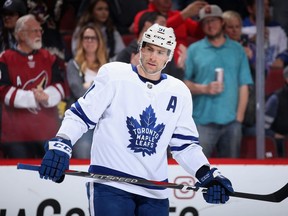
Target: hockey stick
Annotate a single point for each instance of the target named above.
(277, 196)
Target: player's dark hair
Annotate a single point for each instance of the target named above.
(144, 44)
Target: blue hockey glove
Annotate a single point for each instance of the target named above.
(56, 159)
(218, 187)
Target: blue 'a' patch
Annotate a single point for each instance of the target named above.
(144, 136)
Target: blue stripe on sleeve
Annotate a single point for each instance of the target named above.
(77, 110)
(192, 139)
(179, 148)
(183, 137)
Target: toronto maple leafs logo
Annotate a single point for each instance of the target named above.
(144, 136)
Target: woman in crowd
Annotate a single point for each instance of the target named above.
(90, 55)
(98, 14)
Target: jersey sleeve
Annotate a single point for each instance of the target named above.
(185, 147)
(86, 112)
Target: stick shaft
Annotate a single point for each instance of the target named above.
(277, 196)
(137, 181)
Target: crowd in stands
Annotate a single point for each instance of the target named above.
(78, 37)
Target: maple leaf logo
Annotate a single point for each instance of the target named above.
(144, 135)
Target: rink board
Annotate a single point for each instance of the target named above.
(24, 192)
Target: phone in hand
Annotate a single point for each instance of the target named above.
(244, 39)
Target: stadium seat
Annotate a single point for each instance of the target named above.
(68, 20)
(273, 81)
(128, 38)
(249, 147)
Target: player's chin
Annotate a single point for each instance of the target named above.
(151, 67)
(153, 72)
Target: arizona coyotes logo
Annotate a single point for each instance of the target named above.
(39, 82)
(146, 134)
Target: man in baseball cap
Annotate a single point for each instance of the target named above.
(210, 11)
(14, 6)
(204, 58)
(10, 12)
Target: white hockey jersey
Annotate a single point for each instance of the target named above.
(134, 121)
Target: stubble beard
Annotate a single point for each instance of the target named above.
(215, 36)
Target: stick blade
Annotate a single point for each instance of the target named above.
(277, 196)
(281, 194)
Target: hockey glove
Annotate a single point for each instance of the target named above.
(56, 159)
(218, 187)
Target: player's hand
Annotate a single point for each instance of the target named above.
(56, 159)
(218, 187)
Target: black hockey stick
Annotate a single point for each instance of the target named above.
(277, 196)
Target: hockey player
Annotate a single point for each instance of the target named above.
(135, 111)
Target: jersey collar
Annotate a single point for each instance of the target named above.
(143, 79)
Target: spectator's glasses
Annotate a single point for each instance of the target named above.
(90, 38)
(34, 31)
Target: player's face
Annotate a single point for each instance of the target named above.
(153, 58)
(212, 27)
(89, 41)
(101, 11)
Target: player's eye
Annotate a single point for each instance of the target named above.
(160, 52)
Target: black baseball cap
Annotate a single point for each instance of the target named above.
(14, 6)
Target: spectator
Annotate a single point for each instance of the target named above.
(232, 28)
(276, 115)
(98, 14)
(90, 56)
(131, 55)
(185, 28)
(11, 11)
(122, 12)
(219, 103)
(275, 37)
(52, 39)
(31, 86)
